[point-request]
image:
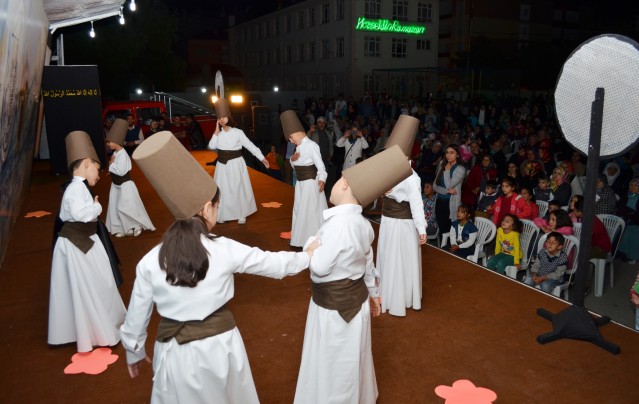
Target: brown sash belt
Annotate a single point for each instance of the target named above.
(223, 156)
(306, 172)
(120, 179)
(396, 210)
(345, 295)
(79, 234)
(187, 331)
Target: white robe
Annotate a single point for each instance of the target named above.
(84, 303)
(210, 370)
(309, 203)
(126, 210)
(337, 361)
(399, 255)
(351, 151)
(236, 194)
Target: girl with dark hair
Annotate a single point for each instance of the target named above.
(479, 175)
(448, 185)
(507, 248)
(509, 202)
(199, 355)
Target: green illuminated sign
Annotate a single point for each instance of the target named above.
(364, 24)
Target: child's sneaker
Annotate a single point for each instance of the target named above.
(119, 235)
(137, 232)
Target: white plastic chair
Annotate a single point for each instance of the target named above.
(528, 235)
(615, 227)
(514, 145)
(486, 233)
(435, 237)
(576, 230)
(571, 243)
(543, 208)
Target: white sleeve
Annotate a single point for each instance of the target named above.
(341, 142)
(252, 260)
(79, 207)
(133, 332)
(416, 204)
(250, 146)
(371, 277)
(213, 142)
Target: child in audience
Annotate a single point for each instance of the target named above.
(507, 249)
(548, 269)
(530, 209)
(275, 163)
(558, 221)
(543, 221)
(634, 298)
(542, 191)
(600, 242)
(463, 233)
(429, 197)
(508, 202)
(126, 215)
(487, 199)
(571, 206)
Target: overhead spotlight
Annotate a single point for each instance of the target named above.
(92, 32)
(214, 99)
(121, 18)
(132, 6)
(276, 89)
(203, 89)
(138, 91)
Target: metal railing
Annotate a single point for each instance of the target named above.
(177, 105)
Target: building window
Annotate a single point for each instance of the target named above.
(325, 13)
(373, 9)
(339, 83)
(339, 13)
(372, 46)
(267, 58)
(311, 17)
(276, 56)
(339, 47)
(398, 48)
(300, 20)
(265, 32)
(300, 52)
(524, 12)
(326, 48)
(423, 44)
(276, 27)
(400, 10)
(287, 24)
(311, 51)
(256, 32)
(424, 12)
(369, 83)
(287, 54)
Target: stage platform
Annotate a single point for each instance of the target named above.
(474, 324)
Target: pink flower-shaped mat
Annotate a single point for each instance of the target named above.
(465, 392)
(271, 205)
(91, 363)
(285, 235)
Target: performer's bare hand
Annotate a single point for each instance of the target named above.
(376, 306)
(321, 186)
(634, 298)
(295, 156)
(95, 199)
(266, 164)
(422, 239)
(134, 368)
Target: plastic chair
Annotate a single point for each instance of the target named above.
(526, 238)
(514, 145)
(615, 227)
(571, 243)
(576, 230)
(543, 208)
(434, 237)
(486, 233)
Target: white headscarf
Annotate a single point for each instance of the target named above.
(611, 178)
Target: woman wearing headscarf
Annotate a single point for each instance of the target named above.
(606, 200)
(561, 189)
(481, 172)
(628, 209)
(616, 182)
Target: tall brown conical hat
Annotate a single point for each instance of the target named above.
(222, 108)
(374, 176)
(79, 147)
(182, 183)
(290, 123)
(403, 134)
(118, 130)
